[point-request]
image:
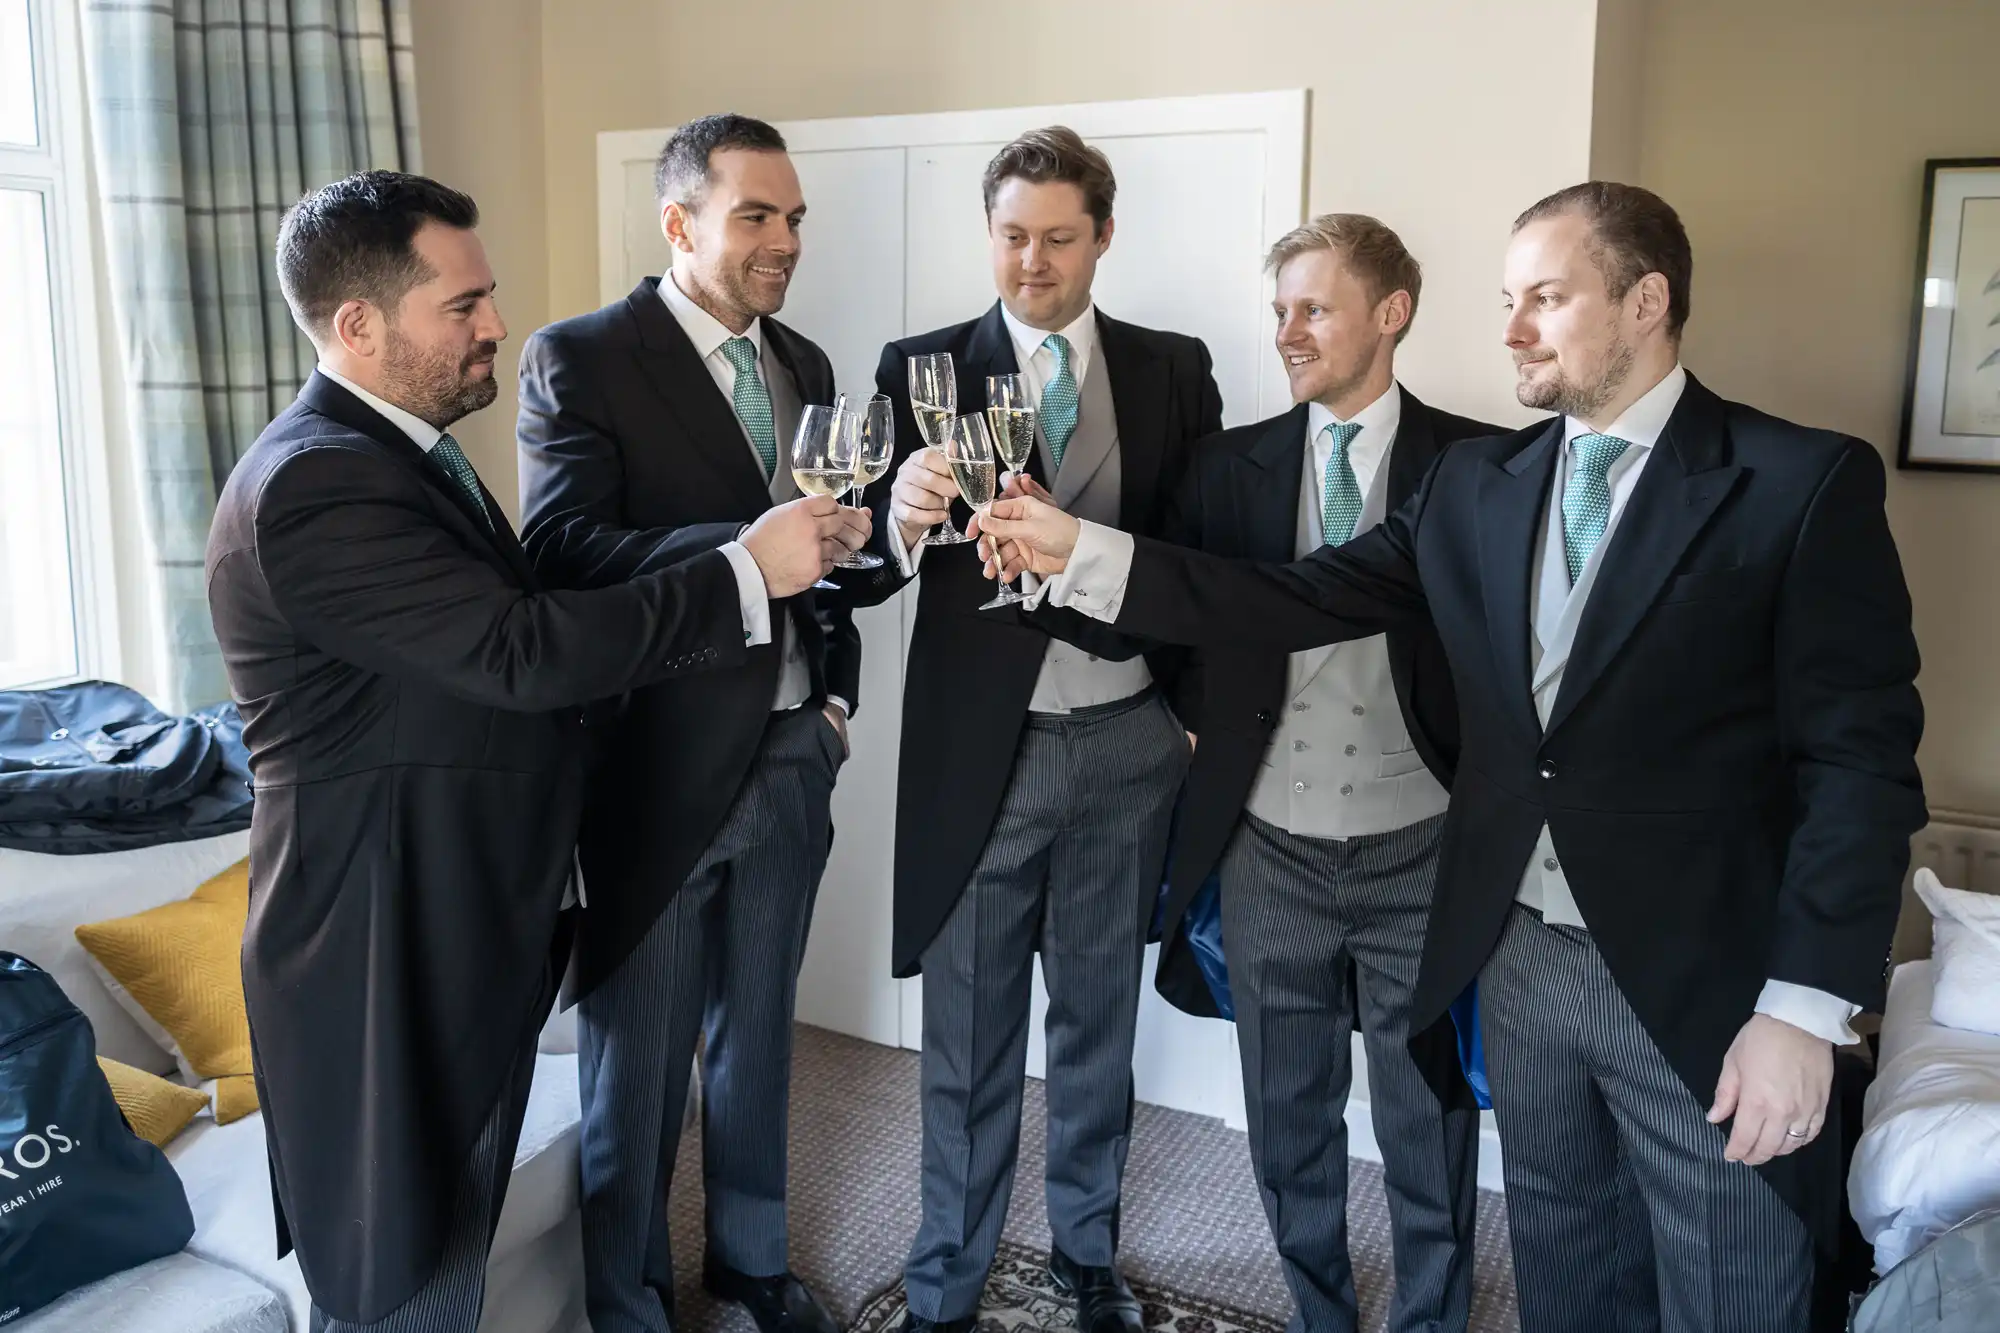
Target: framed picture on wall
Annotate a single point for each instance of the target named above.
(1951, 401)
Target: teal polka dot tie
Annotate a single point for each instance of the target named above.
(1587, 497)
(1340, 494)
(1059, 400)
(453, 460)
(753, 402)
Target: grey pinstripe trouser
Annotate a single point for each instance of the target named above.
(1072, 867)
(1579, 1087)
(1301, 917)
(723, 961)
(449, 1302)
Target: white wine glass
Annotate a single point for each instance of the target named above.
(968, 448)
(823, 452)
(1010, 416)
(877, 448)
(934, 403)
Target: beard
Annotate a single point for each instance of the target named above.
(1577, 398)
(435, 383)
(735, 290)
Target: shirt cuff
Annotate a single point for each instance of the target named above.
(1093, 582)
(1824, 1015)
(751, 594)
(907, 559)
(846, 708)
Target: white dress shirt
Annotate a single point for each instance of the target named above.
(1099, 567)
(708, 334)
(1038, 367)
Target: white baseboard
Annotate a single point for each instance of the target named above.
(1361, 1143)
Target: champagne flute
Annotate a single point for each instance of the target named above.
(823, 453)
(934, 402)
(1010, 414)
(968, 447)
(877, 448)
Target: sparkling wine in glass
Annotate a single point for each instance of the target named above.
(877, 418)
(1010, 416)
(934, 403)
(823, 452)
(968, 447)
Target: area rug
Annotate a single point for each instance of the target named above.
(1021, 1297)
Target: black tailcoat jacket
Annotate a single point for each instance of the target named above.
(1241, 498)
(410, 699)
(971, 673)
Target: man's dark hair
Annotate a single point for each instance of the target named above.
(1633, 232)
(352, 240)
(1057, 153)
(681, 172)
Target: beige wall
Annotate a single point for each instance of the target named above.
(479, 105)
(1791, 135)
(1402, 119)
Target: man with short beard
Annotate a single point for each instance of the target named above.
(410, 698)
(651, 430)
(1687, 770)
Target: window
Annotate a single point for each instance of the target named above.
(47, 623)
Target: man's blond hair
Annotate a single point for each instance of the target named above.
(1372, 252)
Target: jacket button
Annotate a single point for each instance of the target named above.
(1264, 718)
(1548, 768)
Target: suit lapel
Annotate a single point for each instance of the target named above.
(1511, 499)
(1684, 483)
(714, 435)
(336, 403)
(1267, 496)
(1140, 383)
(1412, 452)
(790, 349)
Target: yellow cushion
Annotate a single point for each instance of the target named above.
(181, 964)
(156, 1109)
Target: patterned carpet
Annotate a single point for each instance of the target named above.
(1192, 1226)
(1021, 1297)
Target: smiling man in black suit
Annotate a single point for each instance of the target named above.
(657, 428)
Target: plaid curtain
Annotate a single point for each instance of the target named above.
(209, 117)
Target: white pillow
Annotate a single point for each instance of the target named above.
(43, 899)
(1965, 945)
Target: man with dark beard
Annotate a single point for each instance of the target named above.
(410, 698)
(1687, 773)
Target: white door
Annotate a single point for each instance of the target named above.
(895, 244)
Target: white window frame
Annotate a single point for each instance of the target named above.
(59, 169)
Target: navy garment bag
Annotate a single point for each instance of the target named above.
(81, 1196)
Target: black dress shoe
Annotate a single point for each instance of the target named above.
(916, 1323)
(779, 1304)
(1104, 1304)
